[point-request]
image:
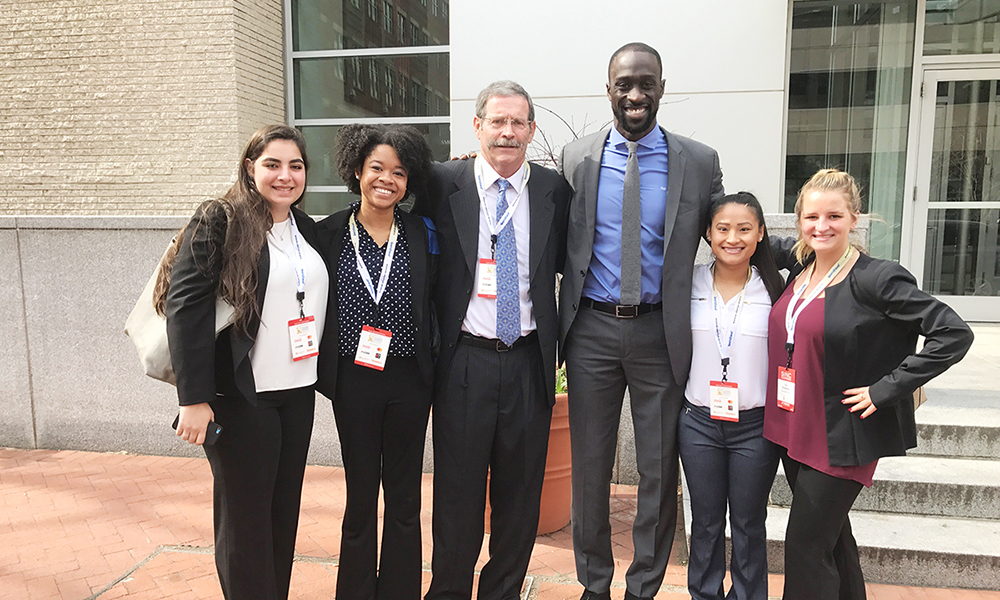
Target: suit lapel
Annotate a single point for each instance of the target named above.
(675, 183)
(591, 180)
(540, 209)
(465, 210)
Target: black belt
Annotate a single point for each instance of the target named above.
(622, 311)
(495, 344)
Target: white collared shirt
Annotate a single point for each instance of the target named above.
(271, 354)
(748, 355)
(481, 317)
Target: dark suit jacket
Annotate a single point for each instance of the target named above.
(694, 180)
(871, 323)
(203, 364)
(453, 203)
(331, 232)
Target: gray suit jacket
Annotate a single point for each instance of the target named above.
(694, 180)
(452, 203)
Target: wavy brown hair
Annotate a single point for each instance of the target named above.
(248, 220)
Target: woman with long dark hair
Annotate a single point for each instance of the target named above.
(376, 363)
(727, 461)
(255, 250)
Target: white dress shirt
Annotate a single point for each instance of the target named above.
(271, 354)
(748, 355)
(481, 317)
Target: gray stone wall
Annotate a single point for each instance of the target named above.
(134, 106)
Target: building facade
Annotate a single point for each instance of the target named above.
(139, 107)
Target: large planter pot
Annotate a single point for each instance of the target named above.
(554, 506)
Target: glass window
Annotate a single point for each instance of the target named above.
(337, 77)
(962, 27)
(322, 91)
(333, 24)
(848, 103)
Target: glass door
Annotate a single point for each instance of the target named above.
(954, 243)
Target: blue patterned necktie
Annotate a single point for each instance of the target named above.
(508, 303)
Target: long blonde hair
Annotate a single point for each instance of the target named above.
(825, 180)
(248, 221)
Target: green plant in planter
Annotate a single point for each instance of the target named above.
(561, 380)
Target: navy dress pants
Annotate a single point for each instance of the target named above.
(727, 465)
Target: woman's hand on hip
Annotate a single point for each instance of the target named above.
(861, 400)
(193, 422)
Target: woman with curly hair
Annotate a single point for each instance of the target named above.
(254, 250)
(376, 362)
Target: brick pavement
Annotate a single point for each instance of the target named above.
(81, 525)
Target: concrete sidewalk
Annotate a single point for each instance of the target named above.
(80, 525)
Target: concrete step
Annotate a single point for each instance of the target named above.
(912, 550)
(947, 426)
(924, 485)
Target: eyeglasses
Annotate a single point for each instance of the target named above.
(499, 124)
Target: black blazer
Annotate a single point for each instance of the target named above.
(206, 366)
(423, 264)
(871, 323)
(453, 203)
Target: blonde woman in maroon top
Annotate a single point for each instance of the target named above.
(843, 368)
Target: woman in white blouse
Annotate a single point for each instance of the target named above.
(254, 250)
(727, 461)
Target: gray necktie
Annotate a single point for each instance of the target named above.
(631, 275)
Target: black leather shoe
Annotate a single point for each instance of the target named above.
(588, 595)
(630, 596)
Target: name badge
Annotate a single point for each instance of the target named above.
(487, 287)
(786, 389)
(725, 401)
(302, 333)
(373, 348)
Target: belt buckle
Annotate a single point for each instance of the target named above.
(502, 347)
(626, 311)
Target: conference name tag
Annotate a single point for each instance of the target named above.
(786, 389)
(487, 278)
(724, 400)
(302, 333)
(373, 347)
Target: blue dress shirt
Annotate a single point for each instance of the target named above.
(603, 282)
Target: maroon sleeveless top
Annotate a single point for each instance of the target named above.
(803, 432)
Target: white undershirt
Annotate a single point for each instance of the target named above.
(748, 356)
(481, 317)
(271, 354)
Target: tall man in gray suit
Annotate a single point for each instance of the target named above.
(640, 206)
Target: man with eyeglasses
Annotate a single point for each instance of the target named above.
(501, 225)
(641, 203)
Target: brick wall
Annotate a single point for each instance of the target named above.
(126, 107)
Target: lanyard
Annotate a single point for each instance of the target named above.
(792, 315)
(383, 277)
(730, 332)
(298, 262)
(496, 225)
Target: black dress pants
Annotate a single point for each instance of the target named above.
(821, 556)
(258, 464)
(382, 422)
(491, 413)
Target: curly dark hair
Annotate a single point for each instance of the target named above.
(356, 142)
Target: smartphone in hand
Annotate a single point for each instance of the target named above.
(211, 436)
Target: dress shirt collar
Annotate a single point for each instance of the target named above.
(490, 176)
(649, 141)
